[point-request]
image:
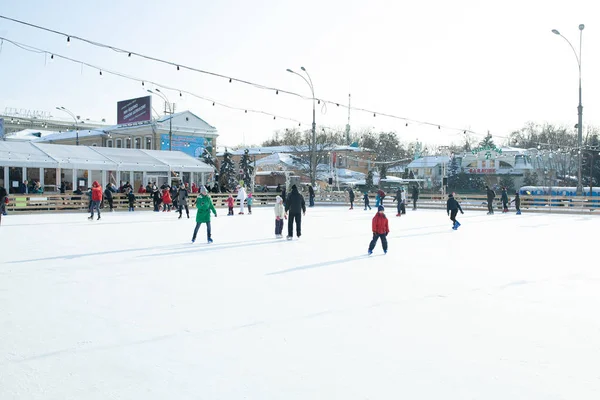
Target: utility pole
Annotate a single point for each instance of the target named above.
(348, 124)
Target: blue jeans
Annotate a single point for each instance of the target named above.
(311, 201)
(95, 205)
(198, 227)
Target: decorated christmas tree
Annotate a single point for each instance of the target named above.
(369, 180)
(227, 175)
(246, 169)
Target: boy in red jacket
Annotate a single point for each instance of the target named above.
(96, 199)
(380, 230)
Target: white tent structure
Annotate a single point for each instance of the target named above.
(52, 164)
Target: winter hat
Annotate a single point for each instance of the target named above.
(278, 199)
(450, 195)
(380, 208)
(203, 189)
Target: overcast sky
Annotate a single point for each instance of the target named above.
(462, 63)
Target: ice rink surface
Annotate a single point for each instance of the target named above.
(507, 307)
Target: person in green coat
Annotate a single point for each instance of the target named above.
(205, 206)
(504, 200)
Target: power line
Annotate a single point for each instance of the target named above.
(231, 79)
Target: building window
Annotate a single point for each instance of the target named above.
(119, 143)
(109, 143)
(138, 143)
(148, 141)
(128, 143)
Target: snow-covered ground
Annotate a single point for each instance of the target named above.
(127, 308)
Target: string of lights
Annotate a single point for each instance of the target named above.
(231, 79)
(143, 82)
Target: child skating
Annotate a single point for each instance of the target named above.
(380, 230)
(452, 208)
(249, 201)
(205, 206)
(517, 201)
(230, 203)
(131, 200)
(279, 217)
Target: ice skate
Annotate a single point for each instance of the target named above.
(457, 224)
(370, 252)
(98, 218)
(289, 238)
(91, 218)
(519, 212)
(210, 240)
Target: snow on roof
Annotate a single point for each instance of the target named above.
(72, 135)
(285, 149)
(282, 160)
(428, 161)
(28, 134)
(46, 155)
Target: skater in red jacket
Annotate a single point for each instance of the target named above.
(96, 199)
(167, 201)
(230, 204)
(380, 229)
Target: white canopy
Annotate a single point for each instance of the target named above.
(43, 155)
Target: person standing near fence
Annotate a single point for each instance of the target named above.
(504, 197)
(517, 201)
(96, 199)
(491, 195)
(205, 206)
(415, 196)
(311, 196)
(182, 196)
(108, 196)
(351, 198)
(297, 207)
(131, 199)
(3, 198)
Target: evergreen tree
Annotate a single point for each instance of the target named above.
(369, 180)
(487, 141)
(247, 169)
(530, 179)
(383, 171)
(209, 159)
(227, 175)
(508, 182)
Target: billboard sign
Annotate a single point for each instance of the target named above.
(134, 110)
(191, 145)
(1, 128)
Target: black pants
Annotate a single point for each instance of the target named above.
(504, 205)
(198, 227)
(181, 207)
(298, 218)
(491, 206)
(351, 203)
(384, 243)
(131, 205)
(414, 204)
(110, 203)
(453, 214)
(403, 208)
(278, 226)
(367, 205)
(156, 204)
(249, 209)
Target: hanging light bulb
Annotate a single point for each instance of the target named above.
(229, 80)
(142, 83)
(374, 115)
(129, 55)
(213, 103)
(100, 72)
(439, 127)
(51, 57)
(178, 68)
(277, 92)
(68, 40)
(180, 95)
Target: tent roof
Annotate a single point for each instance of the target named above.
(45, 155)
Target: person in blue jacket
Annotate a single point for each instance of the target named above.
(452, 208)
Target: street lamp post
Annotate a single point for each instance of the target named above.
(75, 119)
(161, 94)
(313, 158)
(579, 107)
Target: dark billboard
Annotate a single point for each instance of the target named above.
(134, 110)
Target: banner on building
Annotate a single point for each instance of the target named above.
(134, 110)
(192, 145)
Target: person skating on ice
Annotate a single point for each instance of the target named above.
(366, 200)
(398, 200)
(504, 198)
(166, 198)
(279, 216)
(131, 199)
(182, 196)
(415, 196)
(230, 204)
(296, 207)
(311, 196)
(517, 201)
(205, 206)
(452, 208)
(380, 228)
(249, 201)
(96, 199)
(491, 195)
(351, 198)
(108, 196)
(241, 196)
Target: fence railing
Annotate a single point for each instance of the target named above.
(73, 202)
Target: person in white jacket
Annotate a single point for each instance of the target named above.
(279, 216)
(241, 196)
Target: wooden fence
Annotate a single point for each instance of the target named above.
(71, 202)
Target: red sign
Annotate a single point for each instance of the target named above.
(482, 170)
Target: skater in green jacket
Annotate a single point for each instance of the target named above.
(205, 206)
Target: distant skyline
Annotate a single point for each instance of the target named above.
(463, 64)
